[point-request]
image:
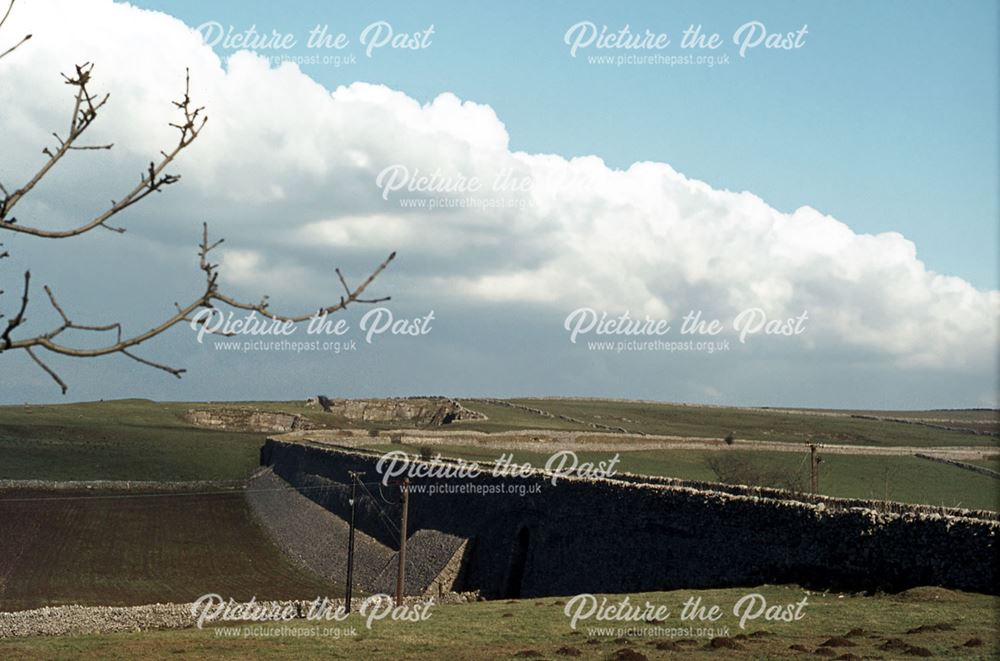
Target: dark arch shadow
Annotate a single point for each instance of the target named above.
(518, 562)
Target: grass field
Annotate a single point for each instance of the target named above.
(132, 439)
(903, 479)
(122, 440)
(96, 547)
(112, 548)
(143, 440)
(864, 627)
(757, 424)
(992, 463)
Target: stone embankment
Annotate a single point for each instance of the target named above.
(420, 411)
(306, 532)
(425, 411)
(249, 420)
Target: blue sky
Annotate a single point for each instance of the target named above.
(866, 154)
(886, 119)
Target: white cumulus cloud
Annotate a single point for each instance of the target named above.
(289, 168)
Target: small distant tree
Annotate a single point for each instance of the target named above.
(153, 179)
(730, 438)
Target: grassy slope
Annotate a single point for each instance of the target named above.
(539, 629)
(992, 463)
(142, 440)
(904, 479)
(504, 418)
(126, 440)
(120, 440)
(716, 422)
(89, 547)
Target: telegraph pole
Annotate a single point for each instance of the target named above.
(350, 539)
(401, 572)
(813, 469)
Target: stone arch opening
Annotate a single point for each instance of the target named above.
(518, 563)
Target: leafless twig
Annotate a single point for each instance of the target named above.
(86, 107)
(85, 111)
(207, 299)
(3, 54)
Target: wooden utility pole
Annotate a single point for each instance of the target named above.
(401, 572)
(350, 539)
(813, 470)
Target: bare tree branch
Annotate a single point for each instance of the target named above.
(48, 370)
(85, 111)
(15, 46)
(207, 299)
(86, 107)
(18, 319)
(166, 368)
(3, 20)
(352, 296)
(10, 6)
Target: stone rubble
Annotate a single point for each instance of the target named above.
(88, 620)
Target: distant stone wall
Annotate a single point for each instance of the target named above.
(248, 420)
(931, 425)
(982, 470)
(545, 414)
(632, 534)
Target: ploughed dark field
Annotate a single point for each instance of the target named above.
(112, 548)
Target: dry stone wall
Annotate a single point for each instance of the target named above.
(629, 535)
(545, 414)
(982, 470)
